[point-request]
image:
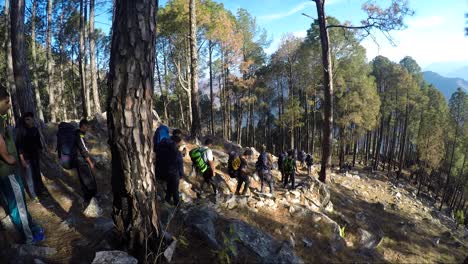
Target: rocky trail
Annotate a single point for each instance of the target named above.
(358, 217)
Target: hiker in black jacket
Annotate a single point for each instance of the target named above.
(170, 166)
(28, 143)
(264, 169)
(83, 163)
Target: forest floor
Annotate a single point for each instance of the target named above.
(409, 229)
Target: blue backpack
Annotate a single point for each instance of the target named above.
(161, 133)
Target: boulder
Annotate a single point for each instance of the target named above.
(115, 256)
(202, 221)
(169, 252)
(34, 251)
(369, 240)
(222, 184)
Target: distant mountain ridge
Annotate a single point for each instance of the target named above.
(446, 85)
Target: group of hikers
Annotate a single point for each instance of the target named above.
(169, 167)
(21, 149)
(20, 152)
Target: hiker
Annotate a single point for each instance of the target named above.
(11, 186)
(302, 157)
(170, 166)
(281, 158)
(182, 146)
(309, 162)
(263, 167)
(28, 142)
(203, 163)
(161, 133)
(237, 168)
(290, 169)
(82, 162)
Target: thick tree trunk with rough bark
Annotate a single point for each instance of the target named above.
(129, 119)
(20, 68)
(195, 130)
(34, 60)
(92, 59)
(328, 92)
(50, 62)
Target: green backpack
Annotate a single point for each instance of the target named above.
(288, 165)
(196, 155)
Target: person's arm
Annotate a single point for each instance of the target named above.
(84, 151)
(210, 158)
(180, 164)
(9, 159)
(38, 139)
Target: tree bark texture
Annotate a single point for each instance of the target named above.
(328, 92)
(20, 69)
(81, 64)
(92, 59)
(50, 62)
(34, 60)
(129, 115)
(195, 130)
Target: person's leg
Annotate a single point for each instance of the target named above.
(11, 190)
(169, 189)
(175, 192)
(28, 177)
(36, 175)
(260, 173)
(293, 180)
(270, 182)
(286, 179)
(88, 183)
(246, 181)
(239, 184)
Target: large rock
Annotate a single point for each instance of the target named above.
(222, 184)
(369, 240)
(94, 209)
(34, 251)
(252, 244)
(114, 257)
(202, 221)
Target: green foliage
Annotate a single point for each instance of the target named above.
(459, 217)
(229, 249)
(342, 231)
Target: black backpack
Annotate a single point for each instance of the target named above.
(66, 144)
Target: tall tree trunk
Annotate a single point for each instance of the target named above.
(195, 130)
(92, 59)
(50, 62)
(10, 76)
(61, 92)
(403, 143)
(34, 59)
(81, 62)
(210, 62)
(129, 118)
(328, 92)
(20, 68)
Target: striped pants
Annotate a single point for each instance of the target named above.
(12, 194)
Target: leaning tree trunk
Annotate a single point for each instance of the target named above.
(195, 130)
(34, 60)
(81, 62)
(210, 62)
(50, 71)
(328, 91)
(20, 68)
(92, 59)
(129, 116)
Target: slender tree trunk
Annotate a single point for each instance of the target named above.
(195, 130)
(403, 144)
(210, 62)
(355, 151)
(81, 62)
(129, 118)
(61, 92)
(20, 68)
(10, 76)
(34, 59)
(92, 59)
(50, 62)
(328, 92)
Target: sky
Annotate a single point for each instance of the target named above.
(434, 34)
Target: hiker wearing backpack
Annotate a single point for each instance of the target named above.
(82, 162)
(28, 142)
(290, 169)
(11, 185)
(309, 162)
(263, 167)
(203, 163)
(161, 133)
(170, 166)
(281, 157)
(237, 168)
(302, 157)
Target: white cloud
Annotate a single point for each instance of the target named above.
(281, 15)
(292, 11)
(300, 34)
(425, 22)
